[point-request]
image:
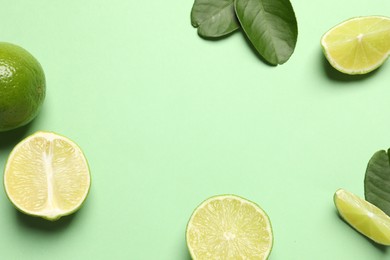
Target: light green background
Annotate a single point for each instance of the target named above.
(167, 119)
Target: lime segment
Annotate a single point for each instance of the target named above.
(363, 216)
(229, 227)
(358, 45)
(47, 175)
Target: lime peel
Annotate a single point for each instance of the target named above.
(22, 86)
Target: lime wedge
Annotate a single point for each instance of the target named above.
(229, 227)
(47, 175)
(358, 45)
(363, 216)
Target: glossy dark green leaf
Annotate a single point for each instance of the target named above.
(271, 27)
(377, 181)
(214, 18)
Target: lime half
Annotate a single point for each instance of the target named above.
(363, 216)
(229, 227)
(47, 175)
(358, 45)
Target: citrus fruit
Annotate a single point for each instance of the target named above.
(363, 216)
(229, 227)
(358, 45)
(22, 86)
(47, 175)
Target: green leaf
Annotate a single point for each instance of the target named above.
(271, 27)
(377, 181)
(214, 18)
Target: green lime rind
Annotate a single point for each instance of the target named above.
(22, 86)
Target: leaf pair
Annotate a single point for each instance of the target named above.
(270, 25)
(377, 181)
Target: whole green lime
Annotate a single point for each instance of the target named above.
(22, 86)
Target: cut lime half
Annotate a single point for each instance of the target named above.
(363, 216)
(47, 175)
(229, 227)
(358, 45)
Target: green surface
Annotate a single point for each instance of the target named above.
(167, 119)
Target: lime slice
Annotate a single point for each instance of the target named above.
(358, 45)
(363, 216)
(229, 227)
(47, 175)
